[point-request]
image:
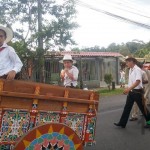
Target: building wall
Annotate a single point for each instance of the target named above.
(92, 70)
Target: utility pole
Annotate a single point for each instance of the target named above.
(40, 43)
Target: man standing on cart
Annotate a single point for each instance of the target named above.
(69, 75)
(10, 63)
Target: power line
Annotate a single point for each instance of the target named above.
(124, 8)
(131, 5)
(80, 3)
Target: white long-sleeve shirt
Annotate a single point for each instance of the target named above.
(67, 81)
(9, 60)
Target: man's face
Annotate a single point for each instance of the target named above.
(129, 64)
(67, 63)
(2, 37)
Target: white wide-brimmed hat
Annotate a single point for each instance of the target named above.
(67, 57)
(9, 33)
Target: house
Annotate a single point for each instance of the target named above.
(92, 67)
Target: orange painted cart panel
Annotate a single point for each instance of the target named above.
(35, 115)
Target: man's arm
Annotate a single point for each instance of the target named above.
(127, 90)
(17, 64)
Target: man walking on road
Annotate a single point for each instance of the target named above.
(135, 94)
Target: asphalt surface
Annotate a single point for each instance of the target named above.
(110, 137)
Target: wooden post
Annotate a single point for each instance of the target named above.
(90, 124)
(34, 110)
(81, 79)
(64, 109)
(1, 89)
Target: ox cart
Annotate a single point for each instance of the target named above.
(36, 116)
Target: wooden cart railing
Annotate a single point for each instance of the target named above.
(27, 106)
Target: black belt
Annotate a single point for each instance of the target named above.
(70, 86)
(137, 90)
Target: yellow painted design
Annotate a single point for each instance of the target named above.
(38, 134)
(90, 106)
(62, 130)
(26, 143)
(77, 145)
(92, 96)
(50, 129)
(65, 104)
(35, 101)
(66, 95)
(37, 90)
(71, 136)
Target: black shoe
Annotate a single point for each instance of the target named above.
(147, 126)
(119, 125)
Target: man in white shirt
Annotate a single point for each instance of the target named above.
(135, 111)
(135, 94)
(69, 75)
(10, 63)
(147, 87)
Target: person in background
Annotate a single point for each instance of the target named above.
(147, 87)
(122, 78)
(69, 75)
(134, 93)
(135, 112)
(10, 63)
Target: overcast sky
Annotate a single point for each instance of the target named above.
(99, 29)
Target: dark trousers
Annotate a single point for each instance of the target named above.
(131, 98)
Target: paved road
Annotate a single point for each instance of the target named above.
(109, 137)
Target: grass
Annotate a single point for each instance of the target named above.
(106, 92)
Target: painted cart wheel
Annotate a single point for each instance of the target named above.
(51, 136)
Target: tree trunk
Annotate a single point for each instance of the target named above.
(40, 43)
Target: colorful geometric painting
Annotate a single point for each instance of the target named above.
(50, 137)
(6, 147)
(54, 140)
(14, 125)
(91, 126)
(44, 117)
(76, 123)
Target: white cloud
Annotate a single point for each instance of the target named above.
(99, 29)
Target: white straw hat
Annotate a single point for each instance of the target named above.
(9, 33)
(67, 57)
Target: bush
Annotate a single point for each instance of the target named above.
(108, 79)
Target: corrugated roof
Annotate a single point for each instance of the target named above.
(88, 54)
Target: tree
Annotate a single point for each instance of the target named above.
(145, 50)
(43, 24)
(124, 50)
(113, 47)
(108, 79)
(134, 46)
(57, 24)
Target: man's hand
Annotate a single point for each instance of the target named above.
(126, 91)
(66, 70)
(11, 75)
(70, 75)
(62, 74)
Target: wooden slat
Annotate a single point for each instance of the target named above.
(46, 97)
(29, 87)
